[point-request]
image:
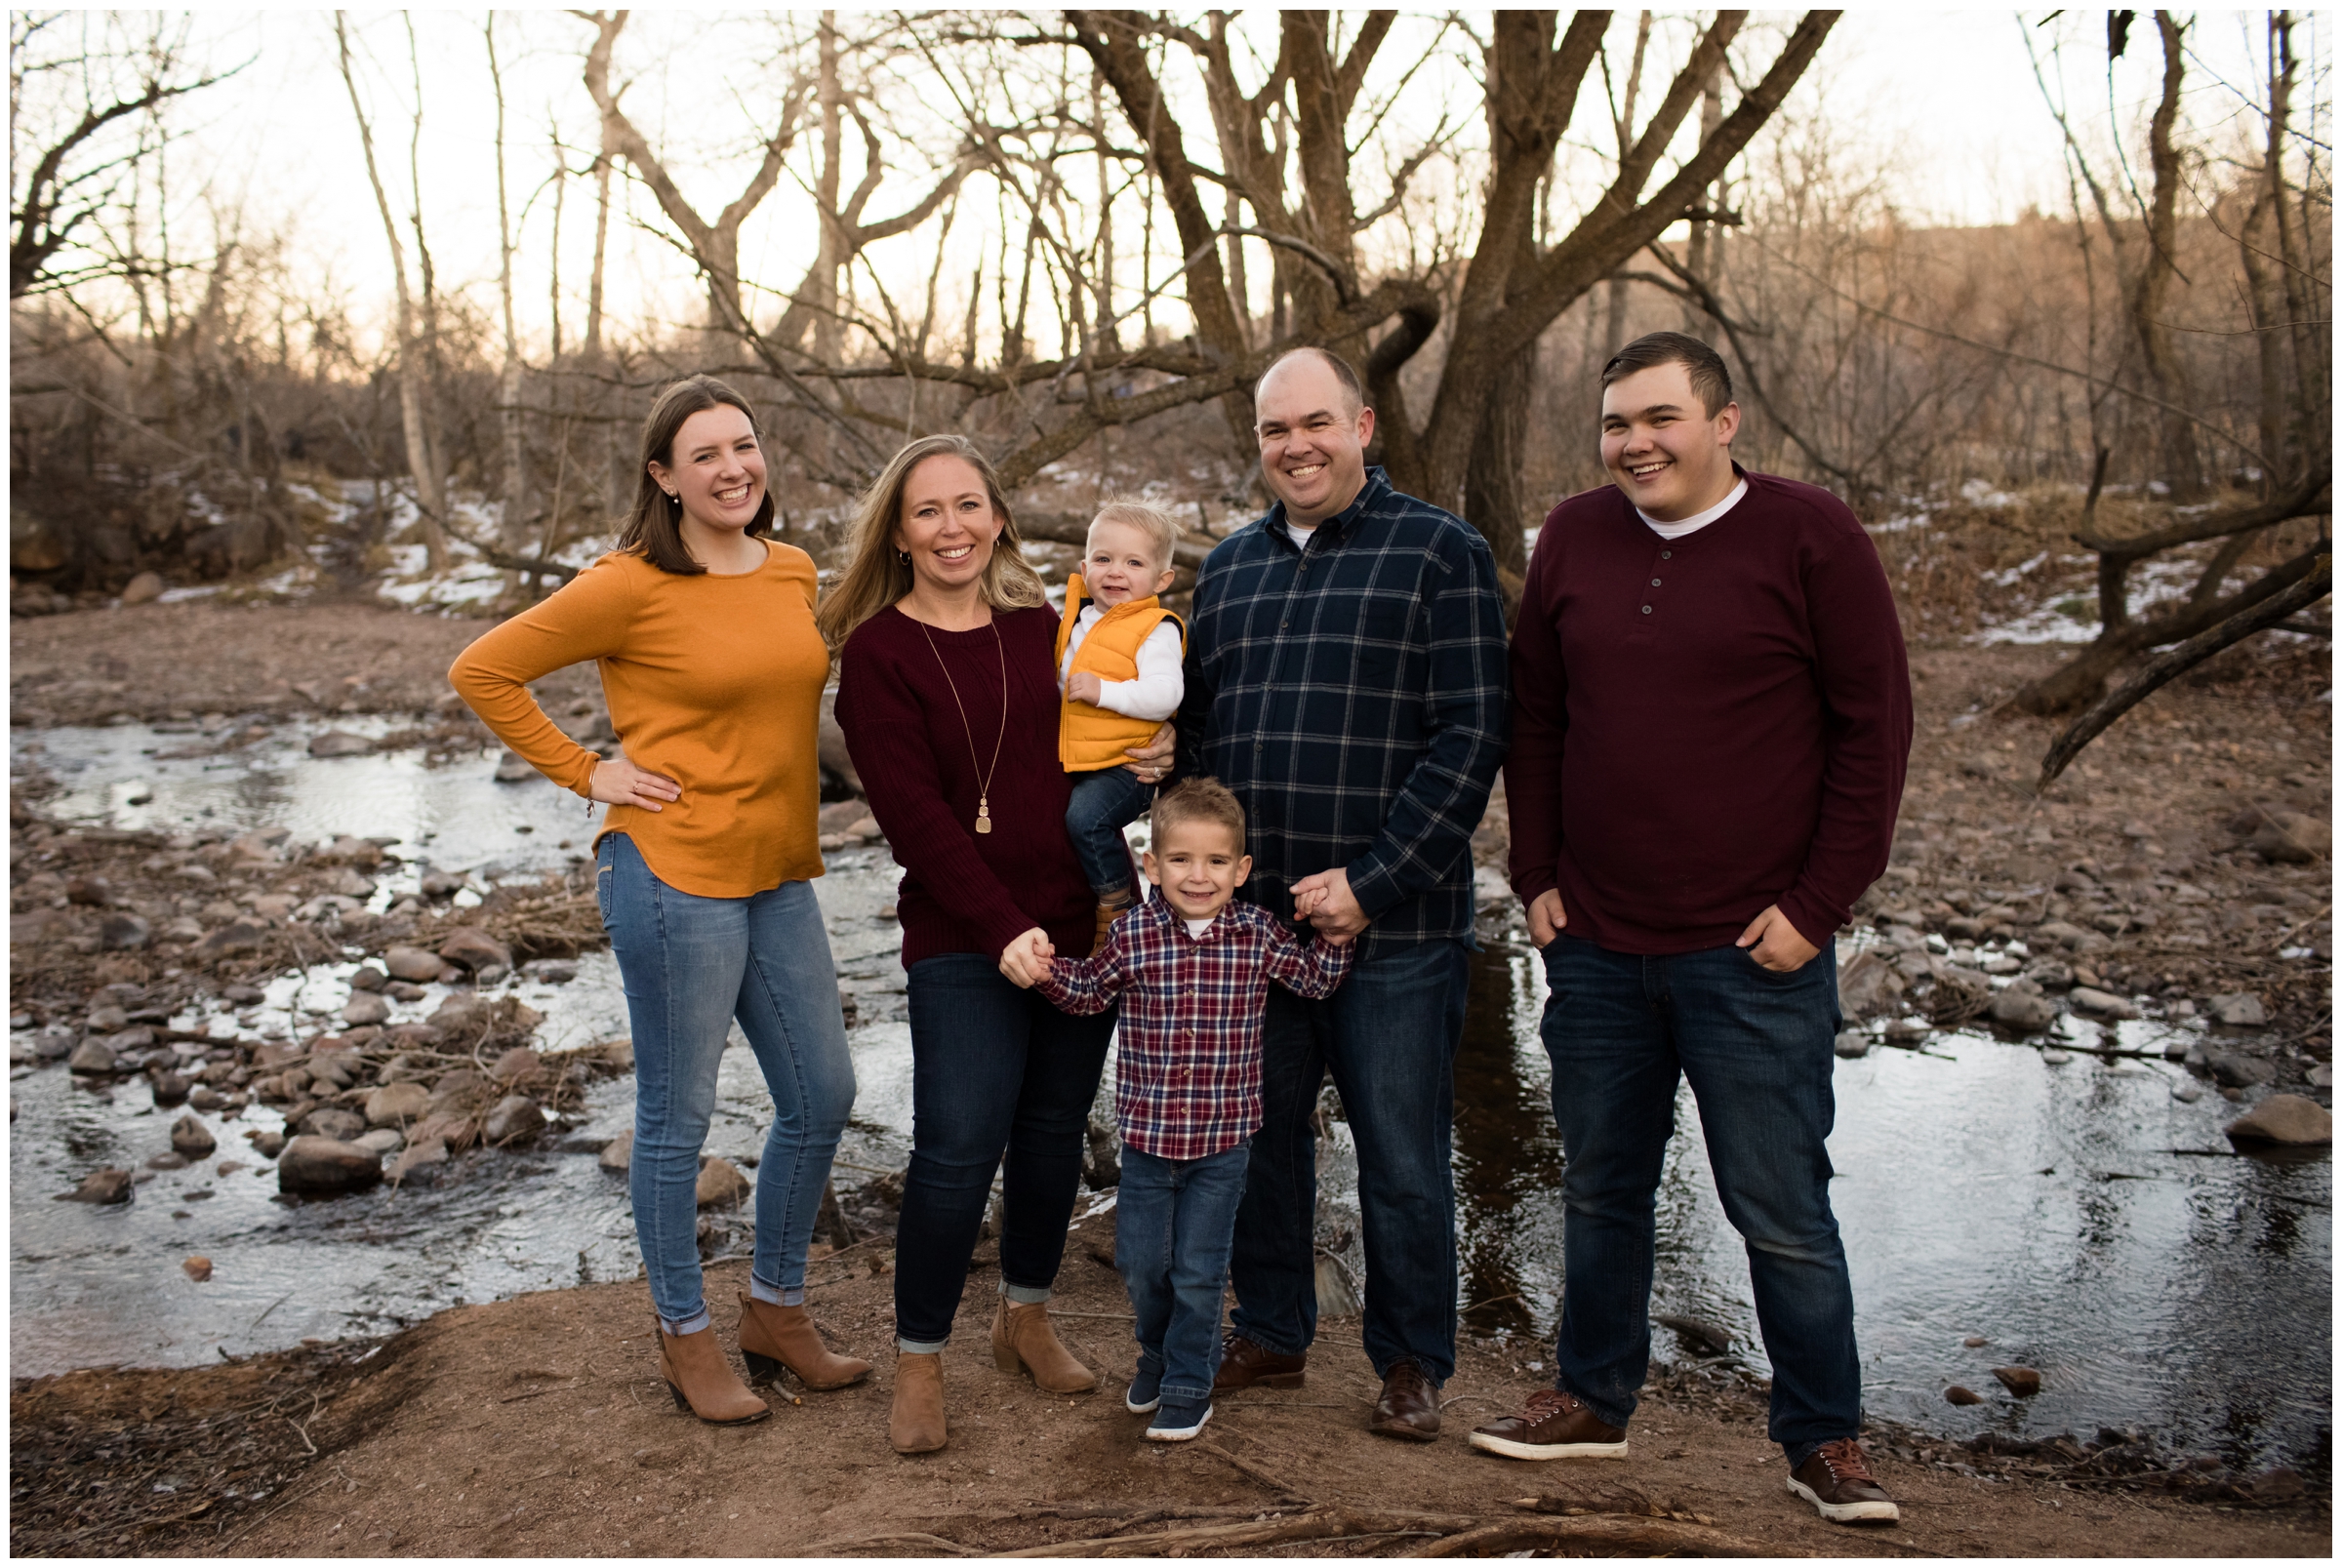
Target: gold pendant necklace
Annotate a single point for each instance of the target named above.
(984, 785)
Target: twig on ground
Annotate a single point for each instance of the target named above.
(1285, 1487)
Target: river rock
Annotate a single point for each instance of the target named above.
(431, 1151)
(203, 1096)
(514, 768)
(514, 1119)
(515, 1065)
(2101, 1004)
(396, 1104)
(1852, 1044)
(2055, 934)
(1963, 1396)
(2234, 1069)
(93, 891)
(144, 589)
(2284, 1120)
(170, 1089)
(470, 948)
(2187, 1091)
(236, 938)
(332, 1122)
(1866, 984)
(2022, 1009)
(2241, 1009)
(197, 1269)
(338, 743)
(722, 1184)
(460, 1012)
(170, 1159)
(266, 1142)
(2051, 974)
(124, 931)
(91, 1056)
(412, 964)
(192, 1139)
(107, 1186)
(382, 1141)
(618, 1154)
(332, 1067)
(439, 884)
(363, 1008)
(2290, 836)
(2023, 1382)
(462, 1081)
(326, 1166)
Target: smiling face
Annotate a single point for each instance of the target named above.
(1120, 564)
(1197, 866)
(716, 469)
(947, 526)
(1663, 449)
(1313, 439)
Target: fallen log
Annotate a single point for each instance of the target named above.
(1592, 1534)
(1316, 1525)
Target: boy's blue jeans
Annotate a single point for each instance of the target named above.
(1175, 1222)
(1105, 803)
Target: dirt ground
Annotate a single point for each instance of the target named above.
(538, 1426)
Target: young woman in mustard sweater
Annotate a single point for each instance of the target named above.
(714, 672)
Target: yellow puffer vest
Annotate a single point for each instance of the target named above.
(1090, 737)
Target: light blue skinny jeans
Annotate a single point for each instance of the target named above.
(691, 965)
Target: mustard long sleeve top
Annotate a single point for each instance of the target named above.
(715, 681)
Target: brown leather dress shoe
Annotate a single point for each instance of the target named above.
(1838, 1481)
(1555, 1425)
(1409, 1407)
(1243, 1363)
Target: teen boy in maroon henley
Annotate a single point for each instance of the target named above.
(1711, 721)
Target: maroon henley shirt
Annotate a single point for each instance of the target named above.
(1708, 725)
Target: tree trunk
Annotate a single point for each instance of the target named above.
(514, 527)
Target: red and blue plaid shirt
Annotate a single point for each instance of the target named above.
(1188, 1058)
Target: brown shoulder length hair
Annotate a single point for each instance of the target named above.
(651, 529)
(876, 576)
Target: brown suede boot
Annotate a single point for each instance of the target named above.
(773, 1337)
(1022, 1337)
(703, 1382)
(916, 1425)
(1109, 910)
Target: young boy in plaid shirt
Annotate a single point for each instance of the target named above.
(1192, 969)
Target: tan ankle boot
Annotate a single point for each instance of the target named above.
(773, 1337)
(703, 1382)
(1109, 910)
(916, 1426)
(1022, 1337)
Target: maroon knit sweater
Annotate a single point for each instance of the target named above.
(1705, 726)
(963, 891)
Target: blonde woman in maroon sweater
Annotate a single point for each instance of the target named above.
(948, 695)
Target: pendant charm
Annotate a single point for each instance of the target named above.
(984, 817)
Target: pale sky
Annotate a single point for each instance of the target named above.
(1944, 104)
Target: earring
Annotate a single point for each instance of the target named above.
(903, 556)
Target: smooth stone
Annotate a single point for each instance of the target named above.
(2284, 1120)
(382, 1141)
(327, 1167)
(515, 1065)
(2242, 1010)
(2187, 1092)
(364, 1007)
(338, 743)
(107, 1186)
(431, 1151)
(2233, 1070)
(394, 1103)
(197, 1269)
(191, 1139)
(2056, 1058)
(514, 1119)
(231, 940)
(412, 964)
(2023, 1382)
(619, 1153)
(722, 1184)
(91, 1056)
(514, 768)
(1963, 1396)
(332, 1124)
(2026, 1012)
(1852, 1044)
(167, 1160)
(266, 1142)
(2104, 1004)
(122, 932)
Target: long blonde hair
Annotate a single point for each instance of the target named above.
(877, 575)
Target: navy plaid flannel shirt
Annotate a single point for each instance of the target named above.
(1187, 1046)
(1354, 698)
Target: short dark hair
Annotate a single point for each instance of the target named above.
(652, 530)
(1344, 372)
(1196, 800)
(1706, 367)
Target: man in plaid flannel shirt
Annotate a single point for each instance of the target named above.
(1346, 679)
(1191, 969)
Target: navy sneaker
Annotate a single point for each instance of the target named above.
(1146, 1390)
(1179, 1419)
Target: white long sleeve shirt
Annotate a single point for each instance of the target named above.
(1155, 694)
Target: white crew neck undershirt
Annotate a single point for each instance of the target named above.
(1301, 534)
(1196, 928)
(1693, 524)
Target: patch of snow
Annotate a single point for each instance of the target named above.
(1982, 493)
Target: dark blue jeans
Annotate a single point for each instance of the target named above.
(1174, 1223)
(1755, 1047)
(1104, 803)
(1389, 1036)
(994, 1069)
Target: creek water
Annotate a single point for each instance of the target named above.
(2074, 1214)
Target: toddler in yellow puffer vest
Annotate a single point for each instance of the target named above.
(1119, 653)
